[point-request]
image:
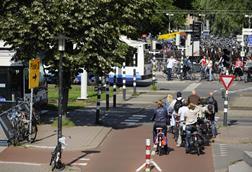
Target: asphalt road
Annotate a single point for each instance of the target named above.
(124, 151)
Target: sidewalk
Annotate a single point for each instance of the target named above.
(234, 139)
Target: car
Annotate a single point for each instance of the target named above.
(247, 71)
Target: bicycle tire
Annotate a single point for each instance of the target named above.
(33, 133)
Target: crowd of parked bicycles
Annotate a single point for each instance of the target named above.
(16, 123)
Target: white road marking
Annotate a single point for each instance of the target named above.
(131, 120)
(240, 90)
(128, 123)
(20, 163)
(223, 150)
(191, 87)
(84, 159)
(36, 146)
(135, 117)
(139, 115)
(80, 164)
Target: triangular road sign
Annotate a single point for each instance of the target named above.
(227, 80)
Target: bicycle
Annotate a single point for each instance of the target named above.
(19, 118)
(161, 141)
(55, 161)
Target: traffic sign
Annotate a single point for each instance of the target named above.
(227, 80)
(34, 66)
(249, 39)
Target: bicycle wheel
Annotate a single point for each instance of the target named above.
(33, 132)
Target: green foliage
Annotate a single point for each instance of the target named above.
(32, 27)
(65, 122)
(224, 23)
(154, 86)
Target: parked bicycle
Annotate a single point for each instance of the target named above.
(55, 162)
(19, 119)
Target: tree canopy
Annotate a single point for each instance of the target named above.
(31, 27)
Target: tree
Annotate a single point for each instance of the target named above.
(224, 23)
(31, 27)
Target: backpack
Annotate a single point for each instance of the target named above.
(210, 108)
(178, 104)
(210, 100)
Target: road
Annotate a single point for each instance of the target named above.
(124, 148)
(124, 151)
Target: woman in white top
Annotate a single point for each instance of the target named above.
(210, 68)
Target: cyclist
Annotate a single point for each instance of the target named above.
(160, 118)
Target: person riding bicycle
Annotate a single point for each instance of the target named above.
(193, 99)
(175, 105)
(187, 66)
(160, 119)
(212, 109)
(191, 118)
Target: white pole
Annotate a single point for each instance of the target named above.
(30, 116)
(83, 85)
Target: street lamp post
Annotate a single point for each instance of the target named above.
(169, 24)
(249, 17)
(56, 156)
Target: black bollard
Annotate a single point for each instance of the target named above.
(114, 89)
(98, 103)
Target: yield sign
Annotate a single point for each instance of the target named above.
(227, 80)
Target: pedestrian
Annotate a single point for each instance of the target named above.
(210, 69)
(203, 66)
(193, 100)
(212, 109)
(238, 68)
(170, 63)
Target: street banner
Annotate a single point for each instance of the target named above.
(196, 48)
(168, 36)
(34, 66)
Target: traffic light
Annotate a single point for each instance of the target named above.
(196, 31)
(226, 58)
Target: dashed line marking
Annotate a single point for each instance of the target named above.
(131, 120)
(223, 150)
(20, 163)
(79, 164)
(139, 115)
(191, 87)
(37, 146)
(128, 123)
(135, 117)
(84, 159)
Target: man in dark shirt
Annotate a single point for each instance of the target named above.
(212, 109)
(193, 99)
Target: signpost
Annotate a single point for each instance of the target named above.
(34, 66)
(226, 81)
